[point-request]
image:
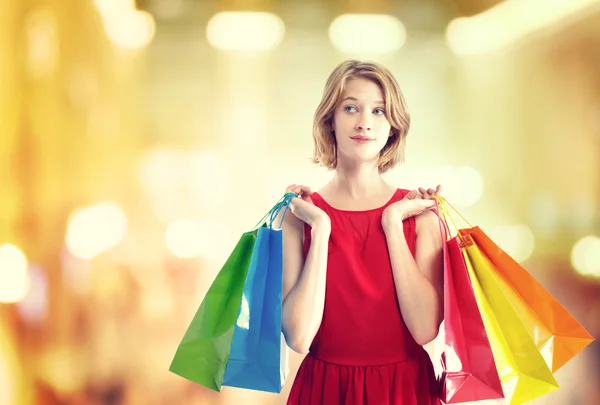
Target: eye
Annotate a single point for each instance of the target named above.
(379, 111)
(350, 109)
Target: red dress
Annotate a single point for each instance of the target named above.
(363, 353)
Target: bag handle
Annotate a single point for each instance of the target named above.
(284, 202)
(443, 206)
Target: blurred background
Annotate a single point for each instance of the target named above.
(139, 139)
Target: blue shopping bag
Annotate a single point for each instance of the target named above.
(258, 359)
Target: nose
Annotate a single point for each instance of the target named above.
(364, 122)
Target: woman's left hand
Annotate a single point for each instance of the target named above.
(413, 204)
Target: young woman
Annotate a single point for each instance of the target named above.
(363, 278)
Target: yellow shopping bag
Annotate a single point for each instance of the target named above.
(523, 371)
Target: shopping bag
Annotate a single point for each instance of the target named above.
(203, 353)
(523, 371)
(469, 371)
(259, 354)
(557, 334)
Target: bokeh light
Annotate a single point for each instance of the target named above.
(95, 229)
(42, 43)
(245, 31)
(182, 238)
(585, 256)
(517, 240)
(370, 33)
(125, 26)
(14, 277)
(507, 22)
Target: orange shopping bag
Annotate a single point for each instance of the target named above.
(557, 334)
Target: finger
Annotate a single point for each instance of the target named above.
(438, 189)
(290, 188)
(301, 189)
(411, 195)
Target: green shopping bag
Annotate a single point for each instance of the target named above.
(204, 350)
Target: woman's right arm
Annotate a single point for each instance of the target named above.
(304, 279)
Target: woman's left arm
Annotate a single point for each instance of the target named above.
(419, 281)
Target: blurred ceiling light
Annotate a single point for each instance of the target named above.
(585, 256)
(110, 8)
(95, 229)
(372, 33)
(42, 43)
(130, 29)
(183, 238)
(517, 241)
(245, 31)
(508, 21)
(14, 275)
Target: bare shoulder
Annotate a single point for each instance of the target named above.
(428, 221)
(289, 221)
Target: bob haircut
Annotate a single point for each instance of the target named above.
(325, 148)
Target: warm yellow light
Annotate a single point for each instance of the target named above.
(208, 177)
(109, 8)
(9, 369)
(130, 29)
(95, 229)
(466, 186)
(42, 43)
(507, 22)
(216, 242)
(184, 182)
(209, 239)
(517, 241)
(245, 31)
(585, 256)
(370, 33)
(461, 186)
(14, 275)
(182, 238)
(60, 368)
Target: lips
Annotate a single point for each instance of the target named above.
(361, 138)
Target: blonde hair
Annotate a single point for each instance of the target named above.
(325, 153)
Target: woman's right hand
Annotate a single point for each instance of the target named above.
(304, 209)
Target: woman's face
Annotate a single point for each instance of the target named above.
(359, 121)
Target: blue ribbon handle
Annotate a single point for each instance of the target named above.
(283, 203)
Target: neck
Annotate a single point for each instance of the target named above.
(360, 181)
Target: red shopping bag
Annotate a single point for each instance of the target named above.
(469, 371)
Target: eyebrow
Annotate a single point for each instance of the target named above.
(355, 99)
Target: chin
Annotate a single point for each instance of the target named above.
(361, 158)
